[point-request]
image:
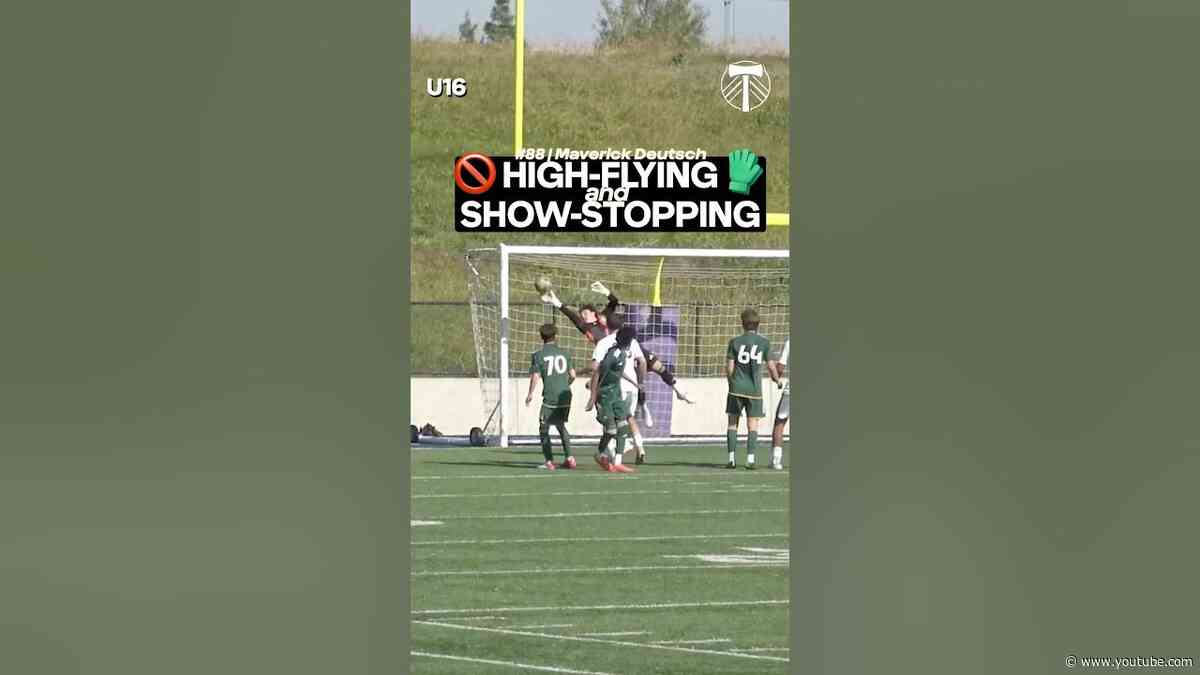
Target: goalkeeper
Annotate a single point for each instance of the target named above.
(594, 326)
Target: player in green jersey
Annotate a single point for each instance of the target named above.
(552, 367)
(743, 367)
(611, 409)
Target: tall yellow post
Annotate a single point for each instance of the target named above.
(519, 98)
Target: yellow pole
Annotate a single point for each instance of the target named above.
(519, 99)
(777, 220)
(657, 301)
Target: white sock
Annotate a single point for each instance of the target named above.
(750, 458)
(777, 455)
(617, 459)
(732, 457)
(637, 443)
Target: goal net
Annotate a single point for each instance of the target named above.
(684, 303)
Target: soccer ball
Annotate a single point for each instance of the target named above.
(543, 285)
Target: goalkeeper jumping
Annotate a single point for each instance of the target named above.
(594, 326)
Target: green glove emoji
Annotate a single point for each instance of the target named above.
(744, 171)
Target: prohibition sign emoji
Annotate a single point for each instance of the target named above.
(464, 166)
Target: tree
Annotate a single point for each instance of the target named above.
(679, 23)
(466, 29)
(501, 27)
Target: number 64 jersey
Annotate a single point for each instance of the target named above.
(749, 353)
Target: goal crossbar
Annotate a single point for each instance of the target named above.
(647, 252)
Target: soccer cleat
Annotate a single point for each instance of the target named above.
(778, 466)
(549, 465)
(602, 460)
(731, 465)
(619, 468)
(750, 466)
(641, 458)
(569, 464)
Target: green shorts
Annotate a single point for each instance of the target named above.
(611, 409)
(552, 415)
(734, 405)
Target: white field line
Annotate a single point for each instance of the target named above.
(484, 618)
(543, 625)
(424, 523)
(510, 664)
(586, 608)
(617, 634)
(619, 643)
(763, 649)
(512, 516)
(580, 540)
(718, 474)
(565, 570)
(709, 641)
(753, 489)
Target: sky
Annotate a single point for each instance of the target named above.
(573, 21)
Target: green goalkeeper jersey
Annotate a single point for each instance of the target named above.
(554, 366)
(749, 353)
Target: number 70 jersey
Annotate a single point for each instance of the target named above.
(554, 367)
(749, 353)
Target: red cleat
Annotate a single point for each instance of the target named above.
(549, 465)
(619, 468)
(602, 460)
(570, 463)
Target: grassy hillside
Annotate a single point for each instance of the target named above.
(644, 97)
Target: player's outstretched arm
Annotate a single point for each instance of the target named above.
(573, 315)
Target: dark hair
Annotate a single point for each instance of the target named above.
(589, 307)
(750, 319)
(614, 321)
(548, 331)
(625, 336)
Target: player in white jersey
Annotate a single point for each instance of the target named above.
(631, 384)
(782, 410)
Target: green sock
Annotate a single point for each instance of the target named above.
(751, 442)
(565, 438)
(544, 432)
(621, 434)
(731, 442)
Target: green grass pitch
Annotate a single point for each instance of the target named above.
(681, 567)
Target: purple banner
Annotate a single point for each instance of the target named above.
(657, 332)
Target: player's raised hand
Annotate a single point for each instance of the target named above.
(600, 288)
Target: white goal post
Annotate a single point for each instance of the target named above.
(684, 302)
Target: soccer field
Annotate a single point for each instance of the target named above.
(681, 567)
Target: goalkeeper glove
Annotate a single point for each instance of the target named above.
(551, 299)
(744, 171)
(600, 288)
